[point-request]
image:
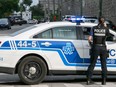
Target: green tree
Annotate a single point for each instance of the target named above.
(37, 11)
(26, 3)
(22, 7)
(8, 6)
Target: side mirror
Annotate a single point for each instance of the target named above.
(36, 36)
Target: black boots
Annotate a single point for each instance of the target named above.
(104, 81)
(89, 82)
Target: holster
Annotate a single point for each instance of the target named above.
(107, 53)
(90, 52)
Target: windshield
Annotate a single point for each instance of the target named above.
(23, 30)
(3, 21)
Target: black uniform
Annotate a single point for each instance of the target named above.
(99, 34)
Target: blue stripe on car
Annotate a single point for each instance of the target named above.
(70, 58)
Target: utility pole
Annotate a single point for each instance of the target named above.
(54, 7)
(48, 9)
(60, 9)
(100, 7)
(45, 8)
(81, 7)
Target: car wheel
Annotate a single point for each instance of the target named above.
(9, 28)
(20, 24)
(32, 70)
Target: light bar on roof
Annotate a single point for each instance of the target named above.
(76, 19)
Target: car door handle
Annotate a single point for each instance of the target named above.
(46, 44)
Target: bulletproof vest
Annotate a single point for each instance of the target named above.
(99, 35)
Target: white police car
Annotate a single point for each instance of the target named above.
(50, 49)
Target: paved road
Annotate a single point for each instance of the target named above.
(7, 80)
(55, 81)
(14, 29)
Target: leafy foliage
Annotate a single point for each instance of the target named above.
(27, 2)
(37, 11)
(8, 6)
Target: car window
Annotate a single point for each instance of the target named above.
(3, 21)
(46, 34)
(90, 20)
(86, 32)
(66, 32)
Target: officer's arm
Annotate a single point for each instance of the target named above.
(108, 33)
(90, 40)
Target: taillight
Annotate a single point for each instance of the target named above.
(114, 27)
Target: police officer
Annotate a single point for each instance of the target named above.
(97, 38)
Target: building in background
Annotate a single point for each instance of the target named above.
(51, 7)
(81, 7)
(90, 8)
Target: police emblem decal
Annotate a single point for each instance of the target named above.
(68, 49)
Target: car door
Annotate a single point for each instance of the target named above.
(86, 46)
(62, 47)
(111, 46)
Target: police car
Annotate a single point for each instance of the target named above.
(50, 49)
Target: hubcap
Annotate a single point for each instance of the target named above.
(32, 70)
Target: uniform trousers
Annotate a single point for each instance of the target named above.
(98, 51)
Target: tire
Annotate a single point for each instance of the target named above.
(20, 24)
(32, 70)
(9, 28)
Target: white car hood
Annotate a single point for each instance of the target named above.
(4, 36)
